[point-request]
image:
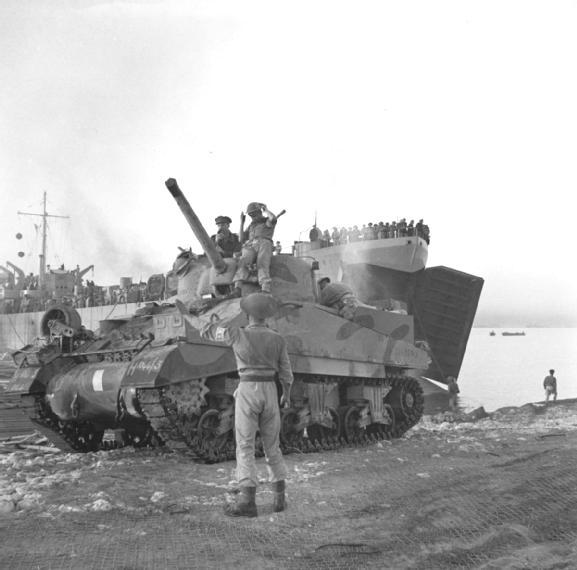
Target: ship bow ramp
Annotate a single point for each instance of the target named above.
(444, 306)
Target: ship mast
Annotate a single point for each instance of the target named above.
(45, 215)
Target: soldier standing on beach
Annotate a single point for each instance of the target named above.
(261, 354)
(453, 388)
(550, 385)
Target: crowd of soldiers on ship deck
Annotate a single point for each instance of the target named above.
(369, 231)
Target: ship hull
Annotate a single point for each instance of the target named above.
(405, 255)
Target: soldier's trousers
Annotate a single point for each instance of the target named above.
(259, 250)
(256, 408)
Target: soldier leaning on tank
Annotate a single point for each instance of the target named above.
(261, 354)
(340, 297)
(227, 243)
(258, 246)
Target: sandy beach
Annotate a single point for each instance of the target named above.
(498, 492)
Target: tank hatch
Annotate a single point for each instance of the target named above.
(444, 306)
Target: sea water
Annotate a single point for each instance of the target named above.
(500, 371)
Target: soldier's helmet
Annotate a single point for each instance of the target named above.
(253, 207)
(259, 305)
(222, 220)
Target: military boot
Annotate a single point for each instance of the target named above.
(244, 504)
(279, 503)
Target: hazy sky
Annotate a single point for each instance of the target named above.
(461, 113)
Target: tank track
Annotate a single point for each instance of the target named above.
(73, 437)
(66, 436)
(175, 422)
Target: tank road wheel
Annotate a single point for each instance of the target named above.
(212, 441)
(189, 427)
(385, 431)
(352, 432)
(325, 437)
(289, 422)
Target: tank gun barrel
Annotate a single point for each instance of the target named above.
(206, 243)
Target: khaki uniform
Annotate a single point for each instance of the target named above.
(261, 354)
(550, 385)
(259, 248)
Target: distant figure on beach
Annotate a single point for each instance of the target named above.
(453, 388)
(550, 385)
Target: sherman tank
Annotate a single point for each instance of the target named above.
(151, 377)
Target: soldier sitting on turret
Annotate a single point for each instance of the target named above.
(257, 247)
(227, 243)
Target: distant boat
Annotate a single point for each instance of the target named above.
(513, 333)
(492, 333)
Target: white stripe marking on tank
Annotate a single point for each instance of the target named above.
(97, 381)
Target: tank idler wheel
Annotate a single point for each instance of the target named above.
(351, 430)
(288, 426)
(323, 437)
